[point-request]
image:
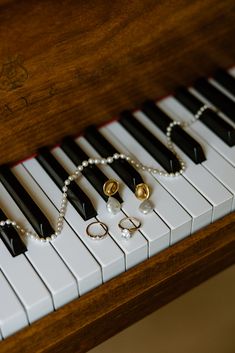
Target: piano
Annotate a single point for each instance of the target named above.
(66, 66)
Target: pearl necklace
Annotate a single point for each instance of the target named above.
(104, 161)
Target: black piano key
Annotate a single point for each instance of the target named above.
(210, 118)
(225, 79)
(126, 171)
(216, 97)
(157, 150)
(26, 204)
(11, 238)
(76, 196)
(180, 137)
(92, 173)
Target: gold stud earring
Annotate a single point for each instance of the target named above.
(142, 193)
(110, 188)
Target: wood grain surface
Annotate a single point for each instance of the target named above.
(65, 64)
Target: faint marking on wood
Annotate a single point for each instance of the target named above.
(13, 74)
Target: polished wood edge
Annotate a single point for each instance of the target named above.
(98, 58)
(103, 312)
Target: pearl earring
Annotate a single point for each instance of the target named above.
(142, 193)
(110, 188)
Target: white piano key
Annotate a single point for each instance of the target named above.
(227, 93)
(43, 257)
(156, 242)
(28, 286)
(232, 71)
(12, 313)
(215, 163)
(136, 249)
(169, 210)
(219, 145)
(70, 248)
(222, 88)
(220, 198)
(105, 251)
(182, 191)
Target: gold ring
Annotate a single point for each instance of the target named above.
(97, 236)
(127, 231)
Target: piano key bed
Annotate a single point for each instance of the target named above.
(37, 279)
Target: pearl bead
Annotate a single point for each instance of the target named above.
(110, 160)
(146, 207)
(85, 163)
(113, 205)
(80, 168)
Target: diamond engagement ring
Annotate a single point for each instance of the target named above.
(128, 226)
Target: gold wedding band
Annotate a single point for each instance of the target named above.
(96, 236)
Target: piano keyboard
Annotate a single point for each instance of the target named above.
(36, 279)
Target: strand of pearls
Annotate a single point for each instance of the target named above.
(103, 161)
(73, 177)
(200, 112)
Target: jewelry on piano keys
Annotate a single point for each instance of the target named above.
(110, 188)
(127, 231)
(102, 161)
(96, 236)
(200, 111)
(142, 193)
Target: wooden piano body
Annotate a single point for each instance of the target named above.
(66, 64)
